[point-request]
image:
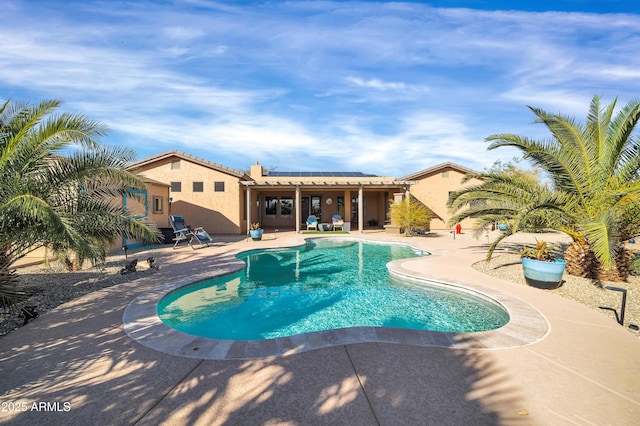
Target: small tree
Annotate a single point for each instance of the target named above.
(410, 214)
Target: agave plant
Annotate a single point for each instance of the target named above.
(593, 194)
(59, 188)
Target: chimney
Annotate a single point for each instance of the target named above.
(256, 171)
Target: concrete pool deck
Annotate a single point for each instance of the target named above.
(583, 370)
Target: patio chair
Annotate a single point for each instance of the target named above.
(312, 223)
(338, 222)
(192, 237)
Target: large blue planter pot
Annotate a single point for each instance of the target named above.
(256, 234)
(502, 226)
(547, 275)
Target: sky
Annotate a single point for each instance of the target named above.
(388, 88)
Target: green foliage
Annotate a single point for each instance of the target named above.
(542, 251)
(325, 232)
(593, 193)
(635, 264)
(60, 188)
(410, 214)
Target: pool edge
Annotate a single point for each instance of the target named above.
(142, 324)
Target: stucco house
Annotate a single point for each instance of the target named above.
(207, 194)
(226, 201)
(433, 186)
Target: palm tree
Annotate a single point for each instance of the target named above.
(593, 194)
(60, 188)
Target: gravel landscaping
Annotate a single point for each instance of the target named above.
(48, 286)
(588, 292)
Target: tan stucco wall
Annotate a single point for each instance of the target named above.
(216, 212)
(433, 190)
(159, 218)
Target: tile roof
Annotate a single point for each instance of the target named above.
(188, 157)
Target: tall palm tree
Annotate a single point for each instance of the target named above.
(593, 193)
(59, 188)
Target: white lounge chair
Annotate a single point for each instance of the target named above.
(338, 222)
(312, 223)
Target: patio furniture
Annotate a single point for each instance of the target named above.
(312, 223)
(324, 227)
(338, 222)
(192, 237)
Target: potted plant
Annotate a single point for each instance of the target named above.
(503, 226)
(255, 231)
(541, 268)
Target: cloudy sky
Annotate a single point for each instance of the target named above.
(380, 87)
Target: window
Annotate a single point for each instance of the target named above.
(157, 205)
(198, 186)
(270, 206)
(445, 174)
(176, 186)
(175, 165)
(354, 208)
(218, 186)
(305, 208)
(316, 207)
(286, 206)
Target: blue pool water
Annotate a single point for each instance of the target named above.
(326, 284)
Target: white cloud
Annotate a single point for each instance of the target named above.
(183, 34)
(386, 88)
(376, 84)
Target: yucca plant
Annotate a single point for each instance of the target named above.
(543, 251)
(593, 194)
(60, 188)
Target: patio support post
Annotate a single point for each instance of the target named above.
(348, 215)
(298, 209)
(249, 202)
(360, 209)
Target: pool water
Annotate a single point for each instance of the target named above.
(326, 284)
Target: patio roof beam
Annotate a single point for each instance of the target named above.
(331, 184)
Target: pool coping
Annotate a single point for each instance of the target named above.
(526, 325)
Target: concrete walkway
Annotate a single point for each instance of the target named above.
(76, 365)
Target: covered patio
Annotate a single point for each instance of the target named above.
(279, 201)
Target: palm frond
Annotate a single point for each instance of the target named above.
(595, 173)
(55, 199)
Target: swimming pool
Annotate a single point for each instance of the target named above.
(326, 284)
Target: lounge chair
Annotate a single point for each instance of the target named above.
(338, 222)
(312, 223)
(193, 237)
